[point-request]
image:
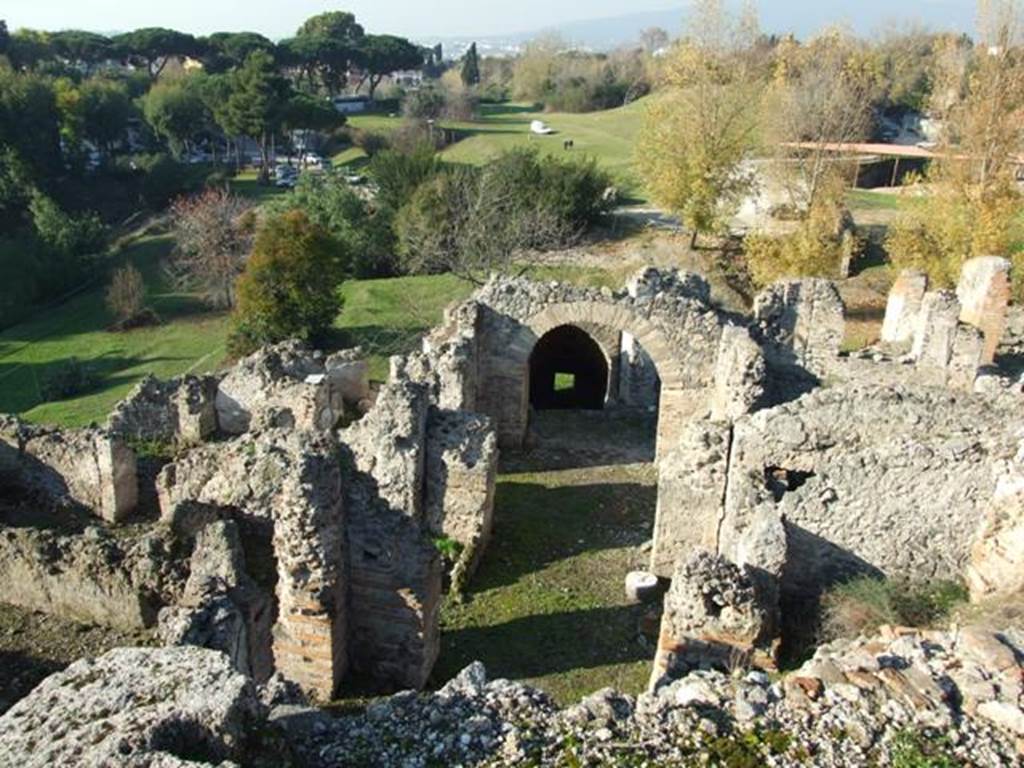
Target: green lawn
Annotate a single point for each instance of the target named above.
(189, 339)
(547, 604)
(608, 136)
(866, 200)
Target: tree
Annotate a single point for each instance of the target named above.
(176, 112)
(212, 235)
(383, 54)
(223, 51)
(654, 39)
(364, 243)
(822, 93)
(256, 104)
(81, 48)
(5, 37)
(331, 41)
(471, 67)
(697, 136)
(153, 47)
(105, 110)
(470, 223)
(290, 285)
(534, 71)
(126, 294)
(398, 174)
(971, 202)
(30, 123)
(27, 48)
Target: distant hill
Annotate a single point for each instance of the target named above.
(802, 17)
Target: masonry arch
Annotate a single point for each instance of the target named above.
(569, 370)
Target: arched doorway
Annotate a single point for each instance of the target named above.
(568, 370)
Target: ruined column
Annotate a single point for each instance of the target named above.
(936, 329)
(903, 306)
(691, 487)
(739, 375)
(802, 323)
(966, 357)
(984, 294)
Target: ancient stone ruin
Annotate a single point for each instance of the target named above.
(289, 516)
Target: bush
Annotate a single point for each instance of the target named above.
(69, 379)
(427, 103)
(399, 174)
(66, 235)
(371, 142)
(817, 248)
(862, 605)
(126, 294)
(364, 243)
(290, 285)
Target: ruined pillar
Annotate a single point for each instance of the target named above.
(802, 323)
(903, 306)
(935, 331)
(966, 357)
(739, 375)
(984, 294)
(691, 487)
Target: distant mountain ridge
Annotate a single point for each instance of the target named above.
(801, 17)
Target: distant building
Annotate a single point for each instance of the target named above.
(351, 105)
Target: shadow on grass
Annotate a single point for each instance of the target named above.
(546, 644)
(376, 340)
(23, 386)
(538, 525)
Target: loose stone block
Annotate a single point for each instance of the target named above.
(903, 307)
(984, 294)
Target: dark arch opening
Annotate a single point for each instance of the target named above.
(568, 370)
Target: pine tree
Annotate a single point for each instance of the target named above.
(471, 67)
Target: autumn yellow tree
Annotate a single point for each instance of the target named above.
(699, 131)
(971, 203)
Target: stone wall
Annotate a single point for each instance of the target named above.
(461, 472)
(88, 467)
(394, 569)
(90, 577)
(666, 314)
(290, 482)
(867, 480)
(176, 411)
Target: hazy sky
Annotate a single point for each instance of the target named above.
(279, 18)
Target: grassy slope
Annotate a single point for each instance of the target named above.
(190, 339)
(607, 136)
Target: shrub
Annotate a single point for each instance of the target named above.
(371, 142)
(862, 605)
(816, 248)
(68, 379)
(66, 235)
(364, 243)
(290, 285)
(126, 294)
(399, 174)
(427, 103)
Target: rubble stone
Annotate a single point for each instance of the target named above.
(134, 707)
(176, 411)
